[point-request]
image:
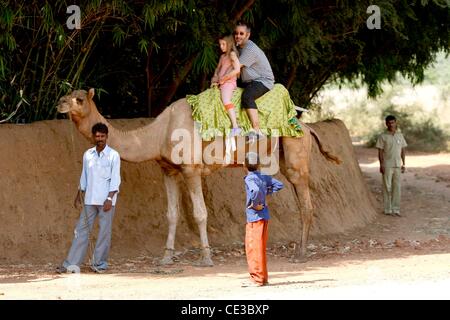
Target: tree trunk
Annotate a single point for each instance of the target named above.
(171, 91)
(150, 77)
(291, 77)
(318, 85)
(204, 82)
(244, 8)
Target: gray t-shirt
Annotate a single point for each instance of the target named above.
(256, 66)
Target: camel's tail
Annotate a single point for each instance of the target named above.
(329, 156)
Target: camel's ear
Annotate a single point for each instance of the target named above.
(91, 93)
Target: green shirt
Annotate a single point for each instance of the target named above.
(392, 145)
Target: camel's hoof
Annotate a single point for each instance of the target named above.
(205, 262)
(166, 261)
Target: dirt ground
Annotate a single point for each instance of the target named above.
(404, 257)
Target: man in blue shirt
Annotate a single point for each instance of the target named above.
(257, 186)
(99, 183)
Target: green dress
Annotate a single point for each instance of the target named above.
(277, 115)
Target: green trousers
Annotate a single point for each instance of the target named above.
(391, 190)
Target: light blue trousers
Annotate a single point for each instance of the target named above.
(80, 241)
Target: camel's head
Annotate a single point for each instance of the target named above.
(79, 104)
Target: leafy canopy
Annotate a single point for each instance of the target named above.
(142, 55)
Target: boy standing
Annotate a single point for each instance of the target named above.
(257, 187)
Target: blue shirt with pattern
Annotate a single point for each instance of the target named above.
(256, 65)
(257, 187)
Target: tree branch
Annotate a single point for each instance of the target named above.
(12, 113)
(291, 77)
(182, 73)
(319, 85)
(246, 7)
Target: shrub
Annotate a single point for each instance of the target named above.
(420, 133)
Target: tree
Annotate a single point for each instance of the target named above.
(41, 59)
(146, 54)
(330, 40)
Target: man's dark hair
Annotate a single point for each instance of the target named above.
(251, 161)
(243, 24)
(390, 117)
(99, 127)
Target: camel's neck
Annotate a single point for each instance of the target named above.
(136, 145)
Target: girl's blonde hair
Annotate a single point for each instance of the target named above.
(231, 46)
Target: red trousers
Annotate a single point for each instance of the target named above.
(255, 248)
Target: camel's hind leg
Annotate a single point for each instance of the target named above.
(296, 155)
(173, 209)
(193, 179)
(306, 213)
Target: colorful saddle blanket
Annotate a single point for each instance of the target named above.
(277, 115)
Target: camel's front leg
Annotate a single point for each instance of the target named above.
(173, 207)
(194, 185)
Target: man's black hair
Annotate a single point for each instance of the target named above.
(244, 24)
(390, 117)
(99, 127)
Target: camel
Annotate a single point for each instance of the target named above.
(155, 142)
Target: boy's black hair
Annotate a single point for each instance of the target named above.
(251, 161)
(99, 127)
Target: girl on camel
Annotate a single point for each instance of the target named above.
(226, 75)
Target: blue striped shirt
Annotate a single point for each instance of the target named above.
(256, 65)
(100, 175)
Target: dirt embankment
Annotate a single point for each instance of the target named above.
(40, 164)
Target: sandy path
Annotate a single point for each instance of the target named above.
(405, 257)
(378, 276)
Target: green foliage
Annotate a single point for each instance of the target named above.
(423, 110)
(42, 58)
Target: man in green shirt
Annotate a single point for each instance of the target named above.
(391, 153)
